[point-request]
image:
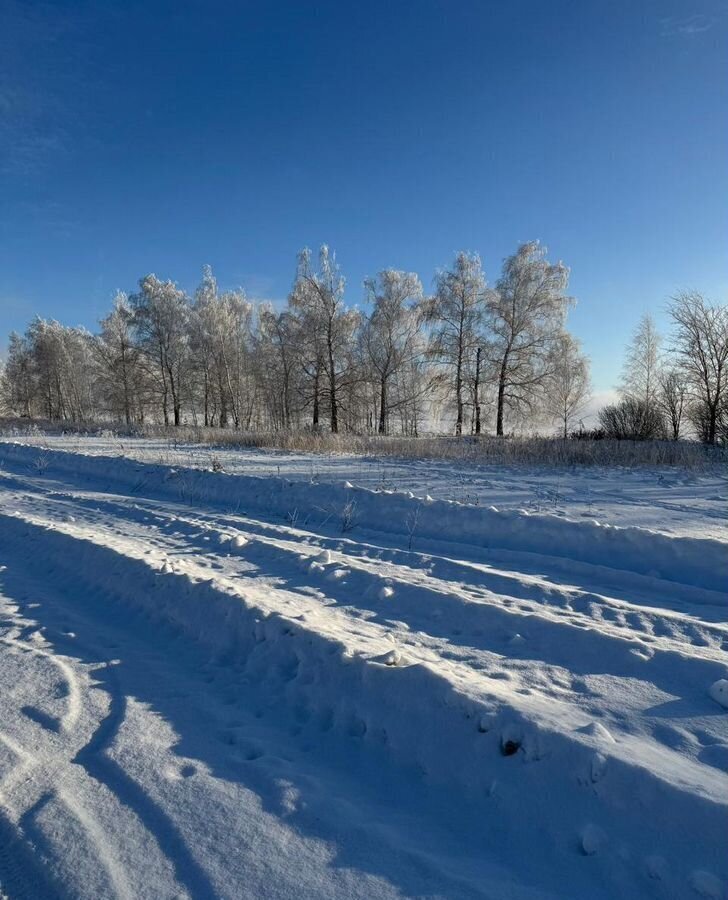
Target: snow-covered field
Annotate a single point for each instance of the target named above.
(335, 677)
(673, 500)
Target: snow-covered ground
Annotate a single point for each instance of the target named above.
(672, 500)
(293, 678)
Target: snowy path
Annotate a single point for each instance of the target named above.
(203, 702)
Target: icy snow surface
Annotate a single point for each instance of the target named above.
(267, 682)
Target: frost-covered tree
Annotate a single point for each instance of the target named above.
(221, 347)
(276, 356)
(391, 338)
(327, 331)
(161, 321)
(526, 315)
(119, 363)
(55, 370)
(641, 370)
(20, 389)
(455, 315)
(568, 388)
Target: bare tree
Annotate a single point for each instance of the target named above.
(526, 314)
(20, 388)
(276, 354)
(390, 336)
(672, 397)
(701, 343)
(456, 314)
(568, 388)
(641, 369)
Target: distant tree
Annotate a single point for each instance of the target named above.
(390, 335)
(568, 387)
(119, 364)
(60, 368)
(526, 315)
(202, 328)
(20, 388)
(456, 315)
(221, 344)
(701, 344)
(276, 348)
(161, 320)
(672, 398)
(327, 327)
(641, 370)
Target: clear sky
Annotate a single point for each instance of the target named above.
(158, 136)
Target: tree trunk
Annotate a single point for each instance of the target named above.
(332, 391)
(383, 407)
(459, 398)
(476, 392)
(316, 379)
(501, 396)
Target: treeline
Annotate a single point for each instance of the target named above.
(469, 355)
(675, 386)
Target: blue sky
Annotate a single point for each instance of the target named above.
(158, 136)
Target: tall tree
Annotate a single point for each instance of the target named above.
(672, 396)
(456, 314)
(390, 335)
(276, 359)
(526, 315)
(161, 315)
(568, 388)
(327, 327)
(119, 365)
(640, 373)
(701, 344)
(19, 384)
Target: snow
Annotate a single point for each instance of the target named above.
(202, 695)
(719, 692)
(669, 500)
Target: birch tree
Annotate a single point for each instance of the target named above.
(327, 327)
(526, 315)
(118, 362)
(456, 314)
(640, 372)
(161, 319)
(390, 336)
(568, 387)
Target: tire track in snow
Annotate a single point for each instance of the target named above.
(75, 531)
(72, 714)
(104, 769)
(492, 590)
(55, 781)
(617, 617)
(622, 651)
